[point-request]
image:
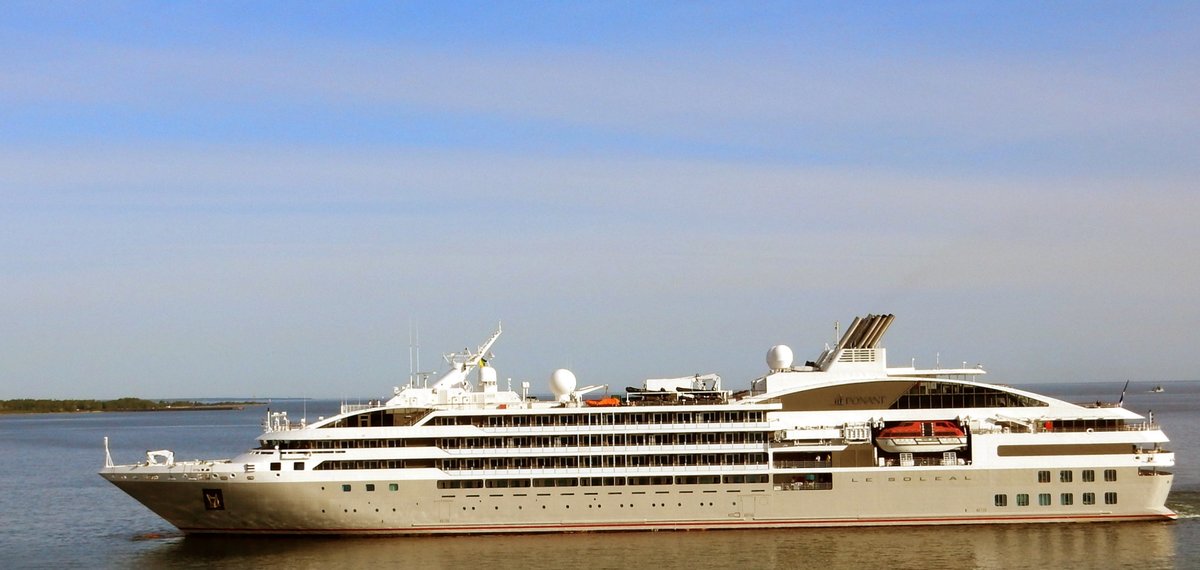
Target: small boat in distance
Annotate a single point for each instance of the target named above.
(1158, 389)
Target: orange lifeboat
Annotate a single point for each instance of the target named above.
(604, 402)
(917, 437)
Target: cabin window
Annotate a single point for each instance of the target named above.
(1066, 499)
(298, 466)
(1110, 475)
(1044, 499)
(1001, 500)
(1089, 475)
(370, 486)
(1064, 476)
(1023, 500)
(1089, 498)
(460, 484)
(393, 487)
(345, 488)
(1043, 476)
(1110, 498)
(276, 466)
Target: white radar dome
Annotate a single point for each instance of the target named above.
(779, 357)
(562, 383)
(487, 375)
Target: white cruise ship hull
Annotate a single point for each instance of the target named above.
(895, 496)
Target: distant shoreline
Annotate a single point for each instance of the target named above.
(43, 406)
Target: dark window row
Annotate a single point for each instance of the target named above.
(607, 417)
(602, 440)
(598, 481)
(370, 487)
(313, 444)
(598, 461)
(505, 442)
(1087, 476)
(934, 394)
(1065, 499)
(392, 417)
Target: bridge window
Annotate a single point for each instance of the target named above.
(935, 394)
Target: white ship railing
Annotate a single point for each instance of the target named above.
(802, 464)
(347, 408)
(1054, 428)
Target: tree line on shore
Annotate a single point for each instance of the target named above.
(118, 405)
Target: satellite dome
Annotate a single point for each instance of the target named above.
(487, 375)
(779, 357)
(562, 383)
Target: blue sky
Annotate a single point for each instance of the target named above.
(256, 199)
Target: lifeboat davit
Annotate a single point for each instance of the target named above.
(922, 437)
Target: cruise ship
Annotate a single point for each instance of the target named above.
(842, 440)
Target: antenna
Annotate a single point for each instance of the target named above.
(414, 351)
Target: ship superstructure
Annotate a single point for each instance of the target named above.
(841, 440)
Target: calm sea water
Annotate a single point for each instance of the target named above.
(56, 512)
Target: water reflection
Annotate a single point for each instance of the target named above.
(1145, 545)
